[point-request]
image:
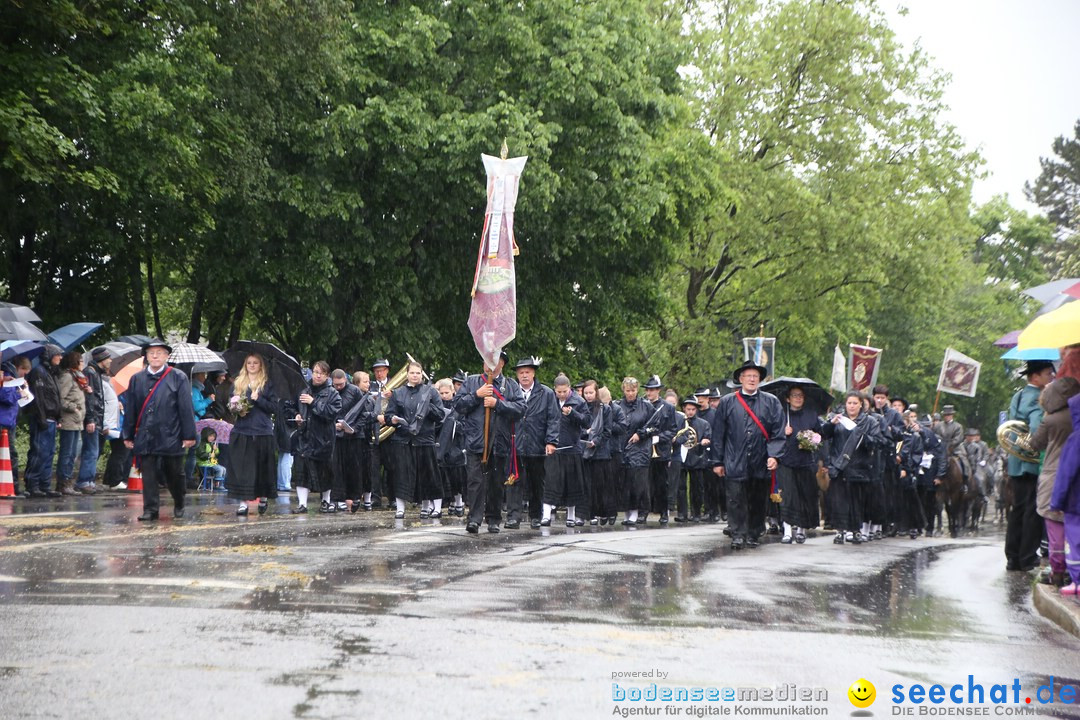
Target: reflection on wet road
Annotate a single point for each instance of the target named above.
(312, 614)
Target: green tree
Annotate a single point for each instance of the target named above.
(1057, 191)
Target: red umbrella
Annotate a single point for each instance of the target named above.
(1073, 290)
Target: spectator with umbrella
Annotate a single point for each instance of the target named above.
(94, 423)
(10, 397)
(74, 390)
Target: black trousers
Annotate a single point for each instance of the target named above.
(658, 487)
(530, 485)
(484, 496)
(118, 464)
(691, 486)
(155, 468)
(746, 501)
(675, 477)
(1024, 527)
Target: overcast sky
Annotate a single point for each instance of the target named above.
(1015, 67)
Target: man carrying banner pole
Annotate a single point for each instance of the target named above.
(488, 404)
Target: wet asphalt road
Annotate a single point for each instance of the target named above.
(343, 616)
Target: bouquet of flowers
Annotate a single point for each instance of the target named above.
(239, 405)
(809, 440)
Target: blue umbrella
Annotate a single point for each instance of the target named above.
(72, 335)
(1032, 354)
(14, 348)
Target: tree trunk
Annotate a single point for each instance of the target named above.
(152, 291)
(237, 323)
(195, 326)
(138, 304)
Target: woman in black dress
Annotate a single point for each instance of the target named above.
(854, 437)
(253, 460)
(796, 466)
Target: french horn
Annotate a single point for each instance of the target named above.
(1014, 437)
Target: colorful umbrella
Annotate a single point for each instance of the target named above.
(121, 353)
(72, 335)
(221, 428)
(1032, 354)
(122, 378)
(1046, 292)
(1054, 329)
(1053, 304)
(187, 353)
(1008, 340)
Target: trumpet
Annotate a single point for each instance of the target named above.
(691, 435)
(393, 383)
(1014, 436)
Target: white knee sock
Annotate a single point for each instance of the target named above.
(400, 504)
(367, 497)
(326, 497)
(787, 529)
(457, 501)
(547, 511)
(570, 517)
(301, 496)
(631, 515)
(437, 504)
(865, 529)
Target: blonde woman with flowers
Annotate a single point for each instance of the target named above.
(252, 447)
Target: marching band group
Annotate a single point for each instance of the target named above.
(499, 451)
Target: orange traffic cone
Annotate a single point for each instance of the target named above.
(134, 481)
(7, 479)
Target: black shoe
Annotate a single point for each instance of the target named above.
(643, 519)
(36, 494)
(327, 508)
(355, 506)
(800, 537)
(148, 516)
(53, 494)
(786, 540)
(726, 531)
(434, 514)
(737, 543)
(752, 542)
(493, 528)
(242, 511)
(546, 522)
(262, 507)
(680, 518)
(663, 519)
(178, 511)
(534, 524)
(299, 510)
(915, 533)
(773, 530)
(838, 538)
(629, 523)
(472, 528)
(579, 522)
(512, 525)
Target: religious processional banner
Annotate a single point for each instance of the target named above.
(493, 316)
(959, 374)
(863, 363)
(760, 350)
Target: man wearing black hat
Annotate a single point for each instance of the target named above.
(693, 448)
(377, 460)
(747, 436)
(892, 430)
(489, 391)
(978, 459)
(661, 431)
(44, 418)
(1024, 528)
(159, 426)
(537, 436)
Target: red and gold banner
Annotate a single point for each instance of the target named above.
(863, 362)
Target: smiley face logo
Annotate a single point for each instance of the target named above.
(862, 693)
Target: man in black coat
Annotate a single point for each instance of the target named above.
(159, 427)
(662, 428)
(537, 436)
(346, 450)
(490, 390)
(745, 452)
(44, 417)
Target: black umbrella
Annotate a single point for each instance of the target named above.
(140, 340)
(20, 330)
(18, 313)
(121, 353)
(817, 397)
(282, 368)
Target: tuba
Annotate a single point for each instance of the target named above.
(1014, 438)
(691, 435)
(393, 383)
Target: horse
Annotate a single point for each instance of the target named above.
(954, 495)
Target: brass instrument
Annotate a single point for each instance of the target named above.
(392, 384)
(1015, 439)
(691, 435)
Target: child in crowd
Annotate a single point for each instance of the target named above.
(206, 456)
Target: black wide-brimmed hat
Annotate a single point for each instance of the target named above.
(971, 432)
(653, 383)
(748, 365)
(1035, 366)
(157, 342)
(702, 392)
(948, 410)
(715, 393)
(531, 362)
(381, 362)
(460, 376)
(691, 401)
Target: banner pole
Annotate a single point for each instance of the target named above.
(936, 398)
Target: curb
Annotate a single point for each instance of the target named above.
(1052, 605)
